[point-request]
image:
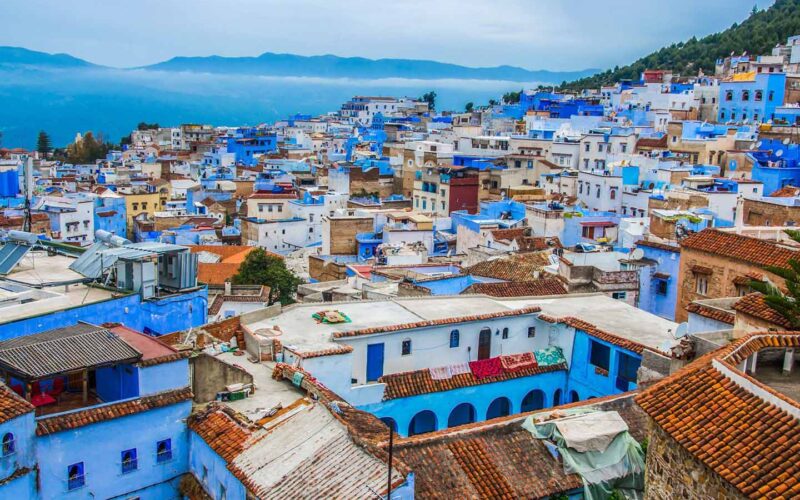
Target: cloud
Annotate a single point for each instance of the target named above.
(536, 34)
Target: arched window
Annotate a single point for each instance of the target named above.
(500, 407)
(8, 444)
(129, 462)
(390, 423)
(759, 94)
(729, 95)
(455, 338)
(574, 397)
(613, 194)
(745, 95)
(406, 347)
(424, 421)
(534, 400)
(461, 414)
(557, 397)
(505, 332)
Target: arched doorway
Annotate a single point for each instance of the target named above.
(500, 407)
(424, 421)
(573, 397)
(461, 414)
(534, 400)
(390, 423)
(557, 397)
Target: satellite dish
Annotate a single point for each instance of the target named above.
(682, 330)
(752, 147)
(779, 153)
(553, 259)
(637, 254)
(786, 142)
(759, 144)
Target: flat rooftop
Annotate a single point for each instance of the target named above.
(37, 269)
(302, 333)
(611, 315)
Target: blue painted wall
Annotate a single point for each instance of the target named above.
(582, 376)
(163, 377)
(402, 410)
(166, 315)
(99, 447)
(202, 456)
(118, 382)
(650, 297)
(738, 100)
(23, 429)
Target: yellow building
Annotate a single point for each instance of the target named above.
(144, 203)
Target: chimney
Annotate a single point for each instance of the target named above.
(228, 288)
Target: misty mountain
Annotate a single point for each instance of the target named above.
(330, 66)
(17, 56)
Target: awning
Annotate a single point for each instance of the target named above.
(702, 270)
(598, 224)
(661, 276)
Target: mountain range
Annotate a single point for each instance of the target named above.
(291, 65)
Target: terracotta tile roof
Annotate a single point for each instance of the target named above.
(702, 270)
(649, 142)
(519, 267)
(273, 196)
(742, 248)
(436, 322)
(508, 234)
(498, 458)
(12, 405)
(227, 253)
(217, 273)
(343, 349)
(547, 286)
(712, 313)
(744, 438)
(753, 304)
(786, 192)
(660, 246)
(225, 432)
(596, 332)
(92, 415)
(407, 384)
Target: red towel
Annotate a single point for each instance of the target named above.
(485, 368)
(517, 362)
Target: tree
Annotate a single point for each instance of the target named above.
(469, 106)
(492, 102)
(147, 126)
(87, 149)
(430, 98)
(262, 268)
(512, 97)
(787, 305)
(43, 144)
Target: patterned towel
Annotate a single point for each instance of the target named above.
(297, 378)
(517, 362)
(440, 373)
(459, 369)
(550, 356)
(485, 368)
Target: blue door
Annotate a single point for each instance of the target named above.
(374, 362)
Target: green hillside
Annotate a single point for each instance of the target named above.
(758, 34)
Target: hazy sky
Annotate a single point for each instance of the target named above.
(536, 34)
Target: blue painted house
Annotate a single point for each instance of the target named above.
(658, 283)
(753, 100)
(247, 144)
(776, 165)
(105, 421)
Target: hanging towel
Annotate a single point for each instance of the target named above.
(518, 362)
(485, 368)
(550, 356)
(297, 378)
(459, 369)
(440, 373)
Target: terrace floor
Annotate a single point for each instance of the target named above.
(771, 374)
(68, 401)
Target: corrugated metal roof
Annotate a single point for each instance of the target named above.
(10, 255)
(64, 350)
(101, 256)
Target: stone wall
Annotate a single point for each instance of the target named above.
(210, 376)
(343, 233)
(672, 472)
(322, 270)
(720, 281)
(758, 213)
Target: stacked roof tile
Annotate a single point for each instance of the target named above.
(743, 248)
(541, 287)
(712, 313)
(521, 267)
(753, 304)
(11, 404)
(746, 439)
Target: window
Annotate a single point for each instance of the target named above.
(701, 286)
(759, 95)
(223, 494)
(598, 191)
(613, 194)
(129, 462)
(599, 147)
(722, 115)
(8, 444)
(661, 288)
(623, 147)
(729, 95)
(311, 230)
(205, 475)
(164, 451)
(406, 347)
(586, 147)
(144, 205)
(455, 338)
(771, 95)
(599, 355)
(745, 95)
(505, 333)
(75, 476)
(136, 206)
(531, 332)
(619, 295)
